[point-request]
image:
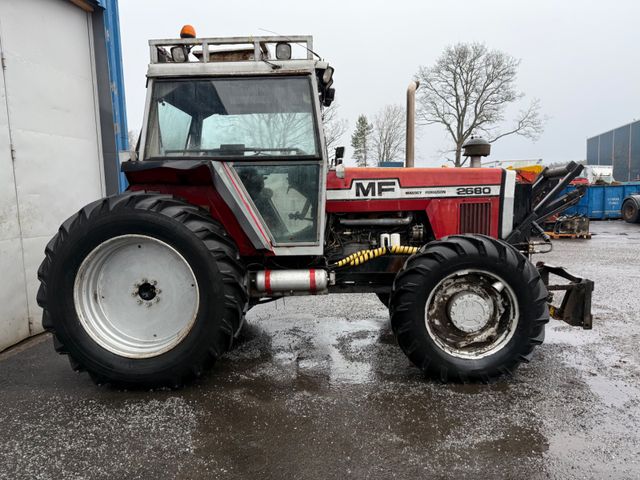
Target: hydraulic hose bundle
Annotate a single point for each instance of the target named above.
(362, 256)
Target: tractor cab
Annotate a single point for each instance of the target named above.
(251, 108)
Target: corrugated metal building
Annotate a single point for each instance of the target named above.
(61, 125)
(619, 147)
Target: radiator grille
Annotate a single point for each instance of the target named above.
(475, 218)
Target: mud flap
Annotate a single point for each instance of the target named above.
(575, 308)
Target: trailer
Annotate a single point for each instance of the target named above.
(602, 202)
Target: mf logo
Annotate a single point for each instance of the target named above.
(374, 188)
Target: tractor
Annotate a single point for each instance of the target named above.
(233, 200)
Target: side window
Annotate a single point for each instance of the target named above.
(286, 197)
(174, 125)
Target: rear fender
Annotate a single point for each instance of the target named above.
(192, 180)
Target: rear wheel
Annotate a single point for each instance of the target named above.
(631, 211)
(468, 307)
(142, 289)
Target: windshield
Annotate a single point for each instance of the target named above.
(237, 117)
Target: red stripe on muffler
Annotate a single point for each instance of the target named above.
(312, 280)
(267, 281)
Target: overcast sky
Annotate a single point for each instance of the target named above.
(580, 58)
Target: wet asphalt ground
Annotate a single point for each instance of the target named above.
(318, 389)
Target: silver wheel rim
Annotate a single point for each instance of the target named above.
(136, 296)
(471, 314)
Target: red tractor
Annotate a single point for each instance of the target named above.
(233, 202)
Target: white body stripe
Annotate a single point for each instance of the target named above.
(508, 201)
(389, 189)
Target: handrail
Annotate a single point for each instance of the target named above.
(306, 41)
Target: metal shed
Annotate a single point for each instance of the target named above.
(62, 123)
(620, 148)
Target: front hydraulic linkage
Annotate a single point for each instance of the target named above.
(575, 308)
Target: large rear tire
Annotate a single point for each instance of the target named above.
(468, 307)
(142, 289)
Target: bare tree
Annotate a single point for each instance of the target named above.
(334, 127)
(468, 90)
(289, 131)
(389, 133)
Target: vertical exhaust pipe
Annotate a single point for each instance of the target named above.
(410, 149)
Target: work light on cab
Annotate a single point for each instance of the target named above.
(327, 75)
(283, 51)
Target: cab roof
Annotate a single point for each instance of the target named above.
(232, 56)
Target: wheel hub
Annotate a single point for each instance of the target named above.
(147, 291)
(469, 311)
(125, 273)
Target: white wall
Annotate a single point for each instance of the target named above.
(49, 113)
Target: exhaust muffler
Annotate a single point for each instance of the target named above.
(283, 282)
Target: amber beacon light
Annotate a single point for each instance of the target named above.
(188, 32)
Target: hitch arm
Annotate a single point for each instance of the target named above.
(575, 308)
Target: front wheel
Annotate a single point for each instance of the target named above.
(468, 307)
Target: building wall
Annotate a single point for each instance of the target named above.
(619, 147)
(51, 152)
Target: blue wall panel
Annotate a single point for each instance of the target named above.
(116, 78)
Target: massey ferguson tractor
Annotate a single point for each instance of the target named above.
(234, 201)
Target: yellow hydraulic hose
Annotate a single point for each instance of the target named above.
(362, 256)
(403, 250)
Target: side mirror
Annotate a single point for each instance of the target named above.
(329, 94)
(339, 155)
